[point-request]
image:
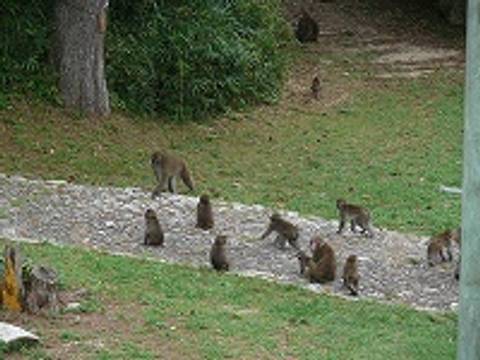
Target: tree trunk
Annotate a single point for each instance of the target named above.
(42, 290)
(12, 284)
(81, 26)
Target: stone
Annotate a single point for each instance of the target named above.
(10, 333)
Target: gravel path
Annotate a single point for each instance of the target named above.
(392, 265)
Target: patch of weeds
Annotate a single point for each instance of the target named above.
(127, 350)
(3, 213)
(68, 336)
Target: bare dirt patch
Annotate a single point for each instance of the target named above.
(386, 39)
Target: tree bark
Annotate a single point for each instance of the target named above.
(42, 290)
(80, 28)
(12, 284)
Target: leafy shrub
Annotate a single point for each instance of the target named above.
(197, 59)
(25, 29)
(185, 59)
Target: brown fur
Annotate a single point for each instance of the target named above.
(218, 257)
(153, 231)
(322, 266)
(307, 28)
(316, 243)
(286, 231)
(440, 248)
(204, 213)
(315, 87)
(357, 215)
(166, 168)
(457, 236)
(350, 275)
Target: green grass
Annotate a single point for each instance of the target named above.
(389, 146)
(150, 309)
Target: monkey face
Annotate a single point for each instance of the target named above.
(150, 214)
(340, 203)
(316, 241)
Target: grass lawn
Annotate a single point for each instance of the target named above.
(387, 145)
(139, 309)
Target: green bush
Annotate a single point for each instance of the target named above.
(25, 37)
(195, 60)
(184, 59)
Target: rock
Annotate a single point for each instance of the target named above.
(73, 306)
(10, 333)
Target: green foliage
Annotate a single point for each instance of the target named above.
(189, 60)
(25, 36)
(180, 312)
(389, 150)
(195, 59)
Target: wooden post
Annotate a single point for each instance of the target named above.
(469, 313)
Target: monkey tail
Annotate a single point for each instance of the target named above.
(186, 178)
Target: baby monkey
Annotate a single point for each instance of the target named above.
(350, 275)
(440, 247)
(357, 215)
(167, 167)
(286, 231)
(218, 256)
(204, 213)
(153, 231)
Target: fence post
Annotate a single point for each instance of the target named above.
(469, 312)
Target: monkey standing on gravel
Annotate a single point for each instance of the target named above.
(167, 167)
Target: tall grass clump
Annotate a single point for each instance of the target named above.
(193, 59)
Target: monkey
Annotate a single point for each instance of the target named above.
(218, 257)
(357, 215)
(321, 268)
(303, 260)
(153, 230)
(438, 246)
(307, 28)
(350, 275)
(457, 236)
(167, 167)
(315, 87)
(204, 213)
(317, 248)
(286, 232)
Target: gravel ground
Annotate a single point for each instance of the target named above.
(392, 265)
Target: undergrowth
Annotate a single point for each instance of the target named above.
(186, 61)
(150, 310)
